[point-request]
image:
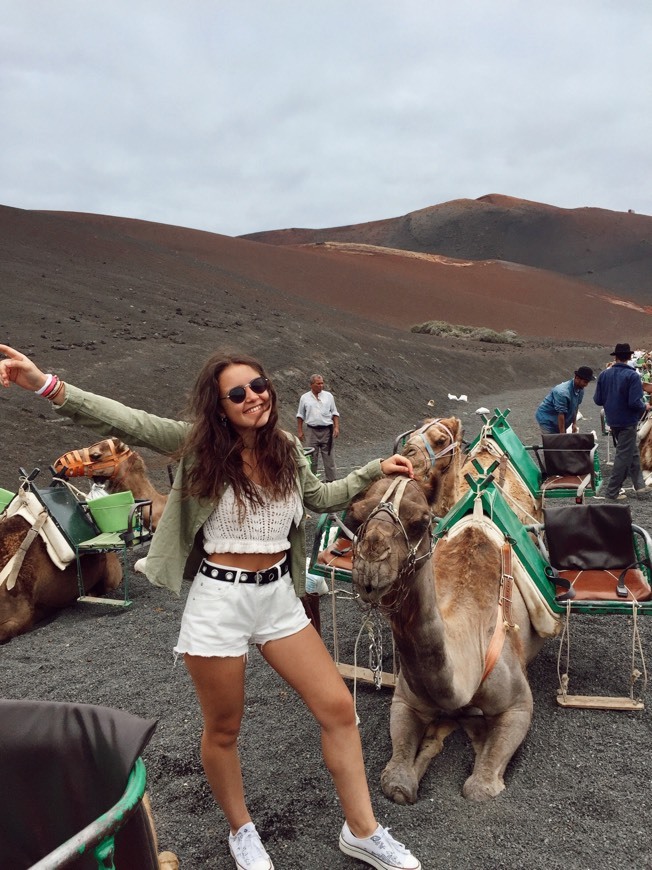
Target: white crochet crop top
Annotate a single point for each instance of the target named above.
(262, 529)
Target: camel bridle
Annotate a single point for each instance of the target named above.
(424, 446)
(390, 504)
(79, 463)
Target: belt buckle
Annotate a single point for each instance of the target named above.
(259, 577)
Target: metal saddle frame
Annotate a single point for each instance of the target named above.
(564, 466)
(73, 786)
(67, 509)
(598, 543)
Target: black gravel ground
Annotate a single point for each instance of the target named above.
(578, 790)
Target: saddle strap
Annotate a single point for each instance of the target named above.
(396, 486)
(495, 645)
(504, 613)
(506, 584)
(11, 570)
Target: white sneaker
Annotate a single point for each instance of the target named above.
(380, 850)
(247, 849)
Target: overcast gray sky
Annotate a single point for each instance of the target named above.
(262, 114)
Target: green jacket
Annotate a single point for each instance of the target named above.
(176, 549)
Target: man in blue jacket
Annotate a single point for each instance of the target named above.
(558, 410)
(620, 392)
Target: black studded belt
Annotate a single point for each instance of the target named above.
(237, 575)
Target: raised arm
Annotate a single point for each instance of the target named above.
(102, 415)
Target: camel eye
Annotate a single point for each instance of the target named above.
(418, 527)
(95, 455)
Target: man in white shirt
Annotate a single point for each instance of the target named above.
(322, 424)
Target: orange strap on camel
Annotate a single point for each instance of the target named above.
(504, 615)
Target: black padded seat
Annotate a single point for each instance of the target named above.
(61, 767)
(591, 546)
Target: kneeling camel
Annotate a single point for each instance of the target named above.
(41, 587)
(458, 666)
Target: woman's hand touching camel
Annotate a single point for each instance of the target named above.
(396, 464)
(18, 369)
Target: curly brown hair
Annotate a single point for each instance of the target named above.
(214, 448)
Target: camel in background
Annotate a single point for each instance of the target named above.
(116, 465)
(435, 449)
(40, 587)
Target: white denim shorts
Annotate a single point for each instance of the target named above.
(223, 618)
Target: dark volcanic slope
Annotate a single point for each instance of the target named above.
(132, 309)
(607, 248)
(210, 277)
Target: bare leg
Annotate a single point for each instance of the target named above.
(219, 683)
(304, 663)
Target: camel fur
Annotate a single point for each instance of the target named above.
(443, 615)
(644, 440)
(435, 451)
(444, 481)
(42, 588)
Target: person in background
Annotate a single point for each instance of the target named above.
(235, 522)
(559, 409)
(619, 391)
(322, 425)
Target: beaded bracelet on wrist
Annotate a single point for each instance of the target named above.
(51, 388)
(46, 386)
(60, 385)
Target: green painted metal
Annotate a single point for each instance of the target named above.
(499, 430)
(100, 834)
(6, 496)
(520, 536)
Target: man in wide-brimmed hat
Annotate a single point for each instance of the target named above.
(559, 409)
(620, 392)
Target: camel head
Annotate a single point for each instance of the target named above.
(101, 460)
(434, 450)
(393, 539)
(131, 474)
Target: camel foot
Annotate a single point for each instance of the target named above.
(168, 861)
(476, 789)
(399, 785)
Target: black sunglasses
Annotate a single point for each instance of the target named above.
(238, 394)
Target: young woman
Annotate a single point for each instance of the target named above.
(234, 522)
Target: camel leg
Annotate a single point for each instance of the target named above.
(495, 739)
(101, 572)
(399, 780)
(113, 572)
(432, 744)
(16, 616)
